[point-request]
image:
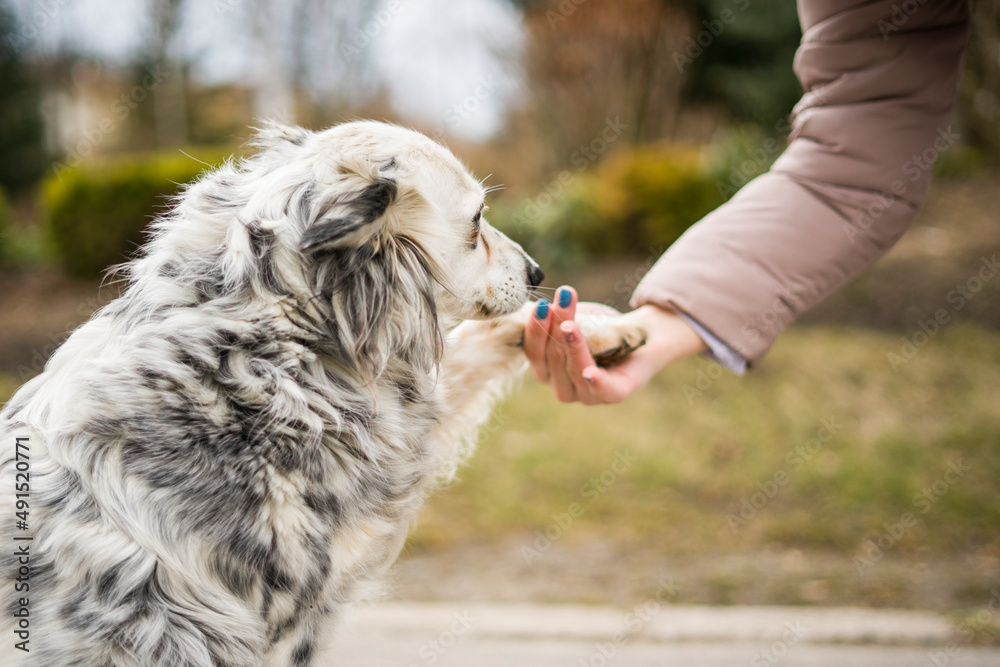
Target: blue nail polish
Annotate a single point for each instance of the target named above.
(565, 298)
(542, 310)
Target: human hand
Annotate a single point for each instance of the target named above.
(557, 350)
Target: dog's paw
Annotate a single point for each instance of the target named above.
(610, 340)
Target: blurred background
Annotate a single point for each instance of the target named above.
(859, 465)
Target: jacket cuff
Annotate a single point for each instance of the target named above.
(718, 351)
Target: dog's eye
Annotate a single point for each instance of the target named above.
(476, 224)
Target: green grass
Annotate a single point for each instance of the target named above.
(699, 454)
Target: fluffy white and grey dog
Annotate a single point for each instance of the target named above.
(226, 455)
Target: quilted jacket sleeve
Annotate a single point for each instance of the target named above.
(881, 78)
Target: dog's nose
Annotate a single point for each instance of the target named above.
(535, 275)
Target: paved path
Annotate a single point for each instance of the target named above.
(649, 635)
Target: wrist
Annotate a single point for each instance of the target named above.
(669, 337)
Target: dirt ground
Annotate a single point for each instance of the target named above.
(596, 572)
(39, 310)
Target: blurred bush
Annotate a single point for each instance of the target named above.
(740, 153)
(637, 201)
(95, 213)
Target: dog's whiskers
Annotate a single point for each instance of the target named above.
(543, 292)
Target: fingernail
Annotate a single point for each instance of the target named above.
(588, 375)
(565, 298)
(542, 310)
(569, 336)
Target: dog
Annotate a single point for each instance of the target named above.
(227, 455)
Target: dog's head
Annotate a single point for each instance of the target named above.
(367, 228)
(376, 185)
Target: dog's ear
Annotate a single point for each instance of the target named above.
(350, 219)
(272, 134)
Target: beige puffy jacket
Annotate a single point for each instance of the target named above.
(881, 79)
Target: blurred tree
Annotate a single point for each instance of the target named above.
(312, 62)
(601, 70)
(740, 55)
(22, 151)
(169, 94)
(589, 61)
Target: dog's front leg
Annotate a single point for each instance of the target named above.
(483, 359)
